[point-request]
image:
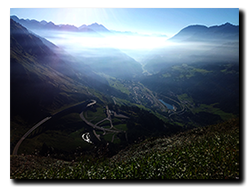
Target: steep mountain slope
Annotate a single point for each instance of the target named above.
(37, 89)
(102, 59)
(45, 80)
(211, 152)
(34, 69)
(42, 82)
(199, 44)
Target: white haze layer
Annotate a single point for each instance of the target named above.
(84, 44)
(142, 47)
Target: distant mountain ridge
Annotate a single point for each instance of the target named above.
(95, 26)
(34, 24)
(110, 61)
(204, 33)
(92, 28)
(197, 43)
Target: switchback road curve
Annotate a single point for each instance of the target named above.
(27, 133)
(92, 102)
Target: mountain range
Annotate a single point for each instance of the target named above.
(196, 73)
(190, 33)
(201, 33)
(35, 67)
(94, 28)
(35, 25)
(193, 44)
(110, 61)
(196, 44)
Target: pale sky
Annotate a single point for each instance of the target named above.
(143, 20)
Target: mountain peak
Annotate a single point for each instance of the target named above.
(82, 26)
(43, 22)
(227, 24)
(95, 24)
(51, 23)
(196, 28)
(97, 27)
(14, 17)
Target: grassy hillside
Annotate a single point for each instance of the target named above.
(210, 152)
(44, 82)
(62, 135)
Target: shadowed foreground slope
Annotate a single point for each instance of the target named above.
(210, 152)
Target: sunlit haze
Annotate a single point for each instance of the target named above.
(135, 31)
(124, 93)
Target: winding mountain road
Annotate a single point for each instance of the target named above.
(39, 124)
(94, 126)
(27, 133)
